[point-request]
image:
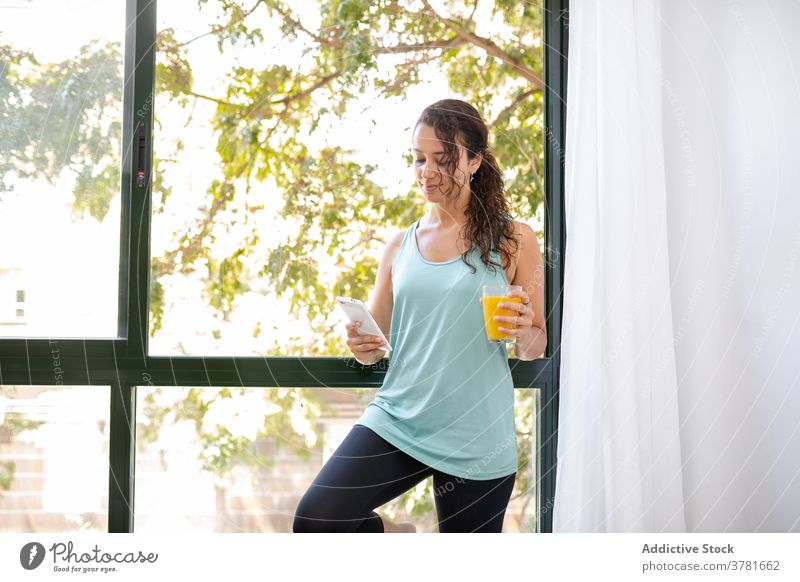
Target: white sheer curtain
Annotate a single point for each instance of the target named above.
(680, 383)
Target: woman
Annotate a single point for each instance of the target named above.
(446, 407)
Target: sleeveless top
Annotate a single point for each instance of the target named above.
(447, 398)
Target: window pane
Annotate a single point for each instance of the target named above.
(60, 133)
(239, 460)
(54, 458)
(282, 156)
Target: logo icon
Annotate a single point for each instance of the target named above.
(31, 555)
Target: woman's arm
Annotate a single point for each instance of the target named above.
(530, 275)
(382, 301)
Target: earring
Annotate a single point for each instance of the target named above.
(472, 177)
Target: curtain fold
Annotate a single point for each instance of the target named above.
(682, 292)
(619, 463)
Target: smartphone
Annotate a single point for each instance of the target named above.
(356, 310)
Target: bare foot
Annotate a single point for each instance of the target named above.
(390, 526)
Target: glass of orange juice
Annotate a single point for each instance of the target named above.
(492, 296)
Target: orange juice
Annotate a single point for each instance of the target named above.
(490, 309)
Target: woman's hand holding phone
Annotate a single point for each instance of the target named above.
(366, 348)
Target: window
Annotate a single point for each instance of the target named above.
(282, 157)
(60, 156)
(239, 460)
(54, 458)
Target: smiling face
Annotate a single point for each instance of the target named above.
(437, 174)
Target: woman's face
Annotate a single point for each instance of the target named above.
(433, 177)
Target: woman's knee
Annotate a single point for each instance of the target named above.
(316, 514)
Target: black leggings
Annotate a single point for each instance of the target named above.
(366, 471)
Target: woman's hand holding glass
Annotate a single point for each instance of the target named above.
(518, 324)
(506, 320)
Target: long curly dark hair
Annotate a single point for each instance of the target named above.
(489, 222)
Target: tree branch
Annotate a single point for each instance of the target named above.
(336, 43)
(265, 109)
(403, 69)
(285, 101)
(306, 92)
(516, 101)
(407, 48)
(287, 16)
(474, 9)
(208, 98)
(487, 45)
(216, 29)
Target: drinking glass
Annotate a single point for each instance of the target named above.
(492, 296)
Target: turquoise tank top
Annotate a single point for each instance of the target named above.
(447, 398)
